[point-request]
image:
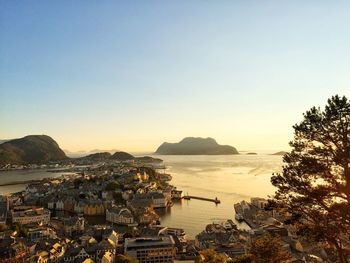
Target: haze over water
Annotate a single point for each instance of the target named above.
(230, 178)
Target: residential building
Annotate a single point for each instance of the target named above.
(259, 202)
(94, 208)
(73, 225)
(158, 198)
(4, 207)
(151, 250)
(40, 232)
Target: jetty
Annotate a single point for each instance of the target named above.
(189, 197)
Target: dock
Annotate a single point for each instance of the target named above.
(189, 197)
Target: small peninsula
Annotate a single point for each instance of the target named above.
(195, 146)
(279, 153)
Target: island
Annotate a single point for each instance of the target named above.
(279, 153)
(195, 146)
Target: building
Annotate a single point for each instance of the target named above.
(73, 225)
(79, 207)
(108, 257)
(31, 215)
(158, 198)
(94, 208)
(177, 194)
(40, 232)
(151, 250)
(4, 207)
(119, 215)
(258, 202)
(59, 205)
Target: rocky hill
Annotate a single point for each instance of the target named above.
(195, 146)
(122, 156)
(37, 149)
(97, 156)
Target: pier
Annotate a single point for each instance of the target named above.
(189, 197)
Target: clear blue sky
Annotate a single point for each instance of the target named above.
(131, 74)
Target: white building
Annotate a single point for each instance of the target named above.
(60, 205)
(79, 207)
(119, 215)
(33, 215)
(158, 198)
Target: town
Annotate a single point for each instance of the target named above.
(105, 212)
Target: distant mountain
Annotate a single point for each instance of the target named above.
(31, 149)
(195, 146)
(279, 153)
(78, 154)
(2, 141)
(122, 156)
(97, 156)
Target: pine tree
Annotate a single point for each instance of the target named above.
(315, 181)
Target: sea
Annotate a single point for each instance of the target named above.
(230, 178)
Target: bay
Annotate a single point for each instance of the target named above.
(230, 178)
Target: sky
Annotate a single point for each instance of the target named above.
(130, 75)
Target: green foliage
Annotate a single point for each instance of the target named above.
(117, 196)
(125, 259)
(211, 256)
(315, 181)
(268, 249)
(122, 156)
(112, 186)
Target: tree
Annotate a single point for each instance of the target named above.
(268, 249)
(111, 186)
(118, 198)
(315, 181)
(211, 256)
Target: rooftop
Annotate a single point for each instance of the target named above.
(149, 242)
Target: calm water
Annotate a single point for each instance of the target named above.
(229, 178)
(21, 175)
